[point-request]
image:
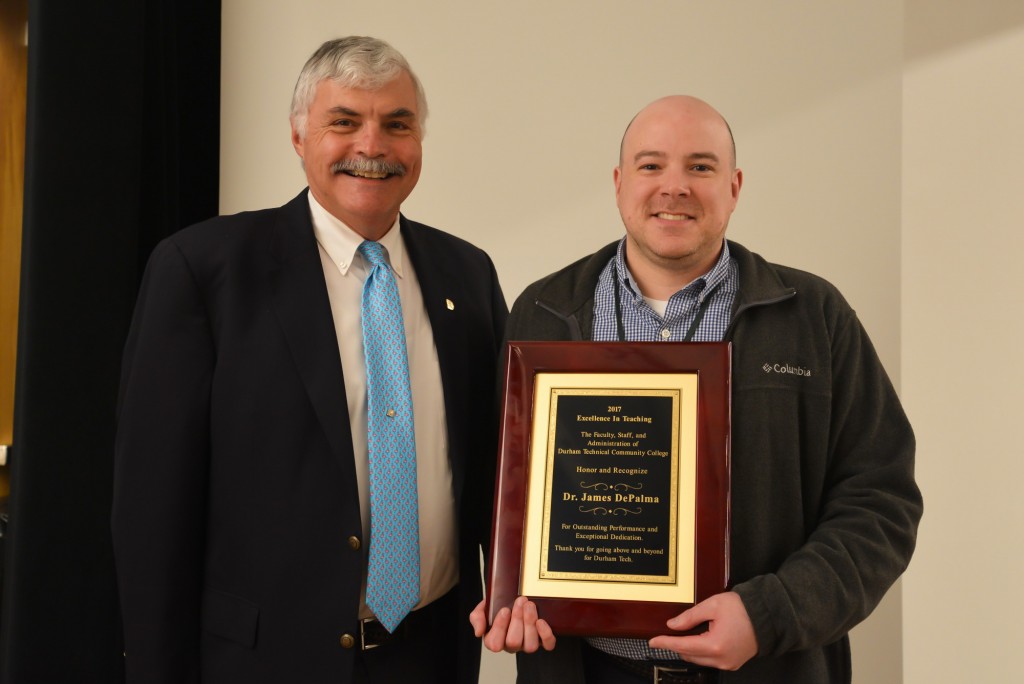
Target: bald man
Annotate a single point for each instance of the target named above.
(824, 504)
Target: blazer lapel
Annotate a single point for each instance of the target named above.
(302, 306)
(439, 283)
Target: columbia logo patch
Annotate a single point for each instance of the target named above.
(786, 369)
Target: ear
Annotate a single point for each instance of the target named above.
(737, 183)
(297, 140)
(617, 178)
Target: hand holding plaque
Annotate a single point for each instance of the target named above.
(513, 630)
(611, 511)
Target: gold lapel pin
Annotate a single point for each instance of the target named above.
(450, 304)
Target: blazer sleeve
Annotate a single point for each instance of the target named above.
(160, 472)
(499, 317)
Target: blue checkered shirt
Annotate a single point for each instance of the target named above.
(642, 324)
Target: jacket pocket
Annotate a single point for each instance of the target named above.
(230, 617)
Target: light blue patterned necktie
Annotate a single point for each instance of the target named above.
(393, 579)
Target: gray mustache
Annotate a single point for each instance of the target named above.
(361, 165)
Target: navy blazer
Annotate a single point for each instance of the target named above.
(235, 490)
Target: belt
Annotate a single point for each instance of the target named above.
(663, 672)
(373, 634)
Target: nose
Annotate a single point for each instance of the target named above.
(371, 141)
(675, 184)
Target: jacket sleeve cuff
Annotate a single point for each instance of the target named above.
(756, 595)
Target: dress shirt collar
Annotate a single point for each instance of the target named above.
(342, 243)
(698, 287)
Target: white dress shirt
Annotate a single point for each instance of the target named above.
(345, 270)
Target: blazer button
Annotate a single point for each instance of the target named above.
(347, 641)
(353, 543)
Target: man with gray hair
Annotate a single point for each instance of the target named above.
(304, 454)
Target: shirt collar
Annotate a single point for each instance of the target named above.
(342, 243)
(699, 286)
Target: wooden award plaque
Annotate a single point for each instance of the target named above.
(611, 508)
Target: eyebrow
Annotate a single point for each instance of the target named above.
(648, 153)
(696, 156)
(343, 110)
(400, 113)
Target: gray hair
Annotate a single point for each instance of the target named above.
(355, 61)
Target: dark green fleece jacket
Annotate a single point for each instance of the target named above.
(824, 504)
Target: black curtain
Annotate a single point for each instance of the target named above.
(121, 150)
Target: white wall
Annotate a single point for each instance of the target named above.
(963, 374)
(529, 100)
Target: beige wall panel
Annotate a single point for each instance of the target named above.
(963, 373)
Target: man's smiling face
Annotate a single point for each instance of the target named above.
(677, 185)
(362, 151)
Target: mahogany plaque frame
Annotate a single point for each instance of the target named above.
(618, 616)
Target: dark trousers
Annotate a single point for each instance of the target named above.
(422, 650)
